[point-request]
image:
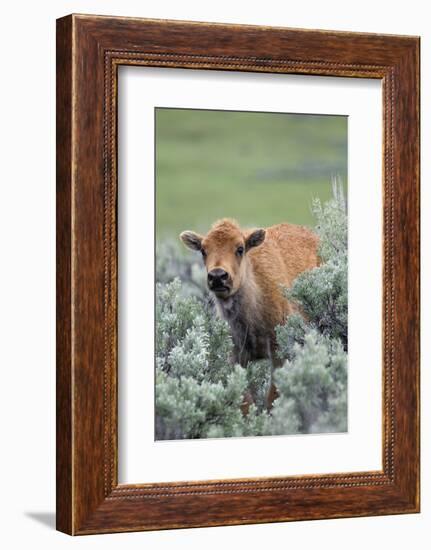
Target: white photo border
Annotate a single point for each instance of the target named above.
(141, 458)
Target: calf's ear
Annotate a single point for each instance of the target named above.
(191, 240)
(255, 238)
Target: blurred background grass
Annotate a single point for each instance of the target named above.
(259, 168)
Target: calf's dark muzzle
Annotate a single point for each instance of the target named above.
(218, 279)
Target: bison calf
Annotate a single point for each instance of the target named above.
(246, 272)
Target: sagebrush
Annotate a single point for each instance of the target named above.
(199, 391)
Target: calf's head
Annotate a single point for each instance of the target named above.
(224, 252)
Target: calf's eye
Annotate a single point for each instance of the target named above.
(240, 251)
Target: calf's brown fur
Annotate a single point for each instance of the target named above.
(247, 270)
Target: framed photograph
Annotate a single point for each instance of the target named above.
(237, 274)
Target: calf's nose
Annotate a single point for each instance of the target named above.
(217, 277)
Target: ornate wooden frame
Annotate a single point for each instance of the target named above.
(89, 51)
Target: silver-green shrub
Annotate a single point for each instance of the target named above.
(198, 391)
(312, 388)
(173, 262)
(312, 383)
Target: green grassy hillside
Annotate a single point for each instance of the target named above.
(260, 168)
